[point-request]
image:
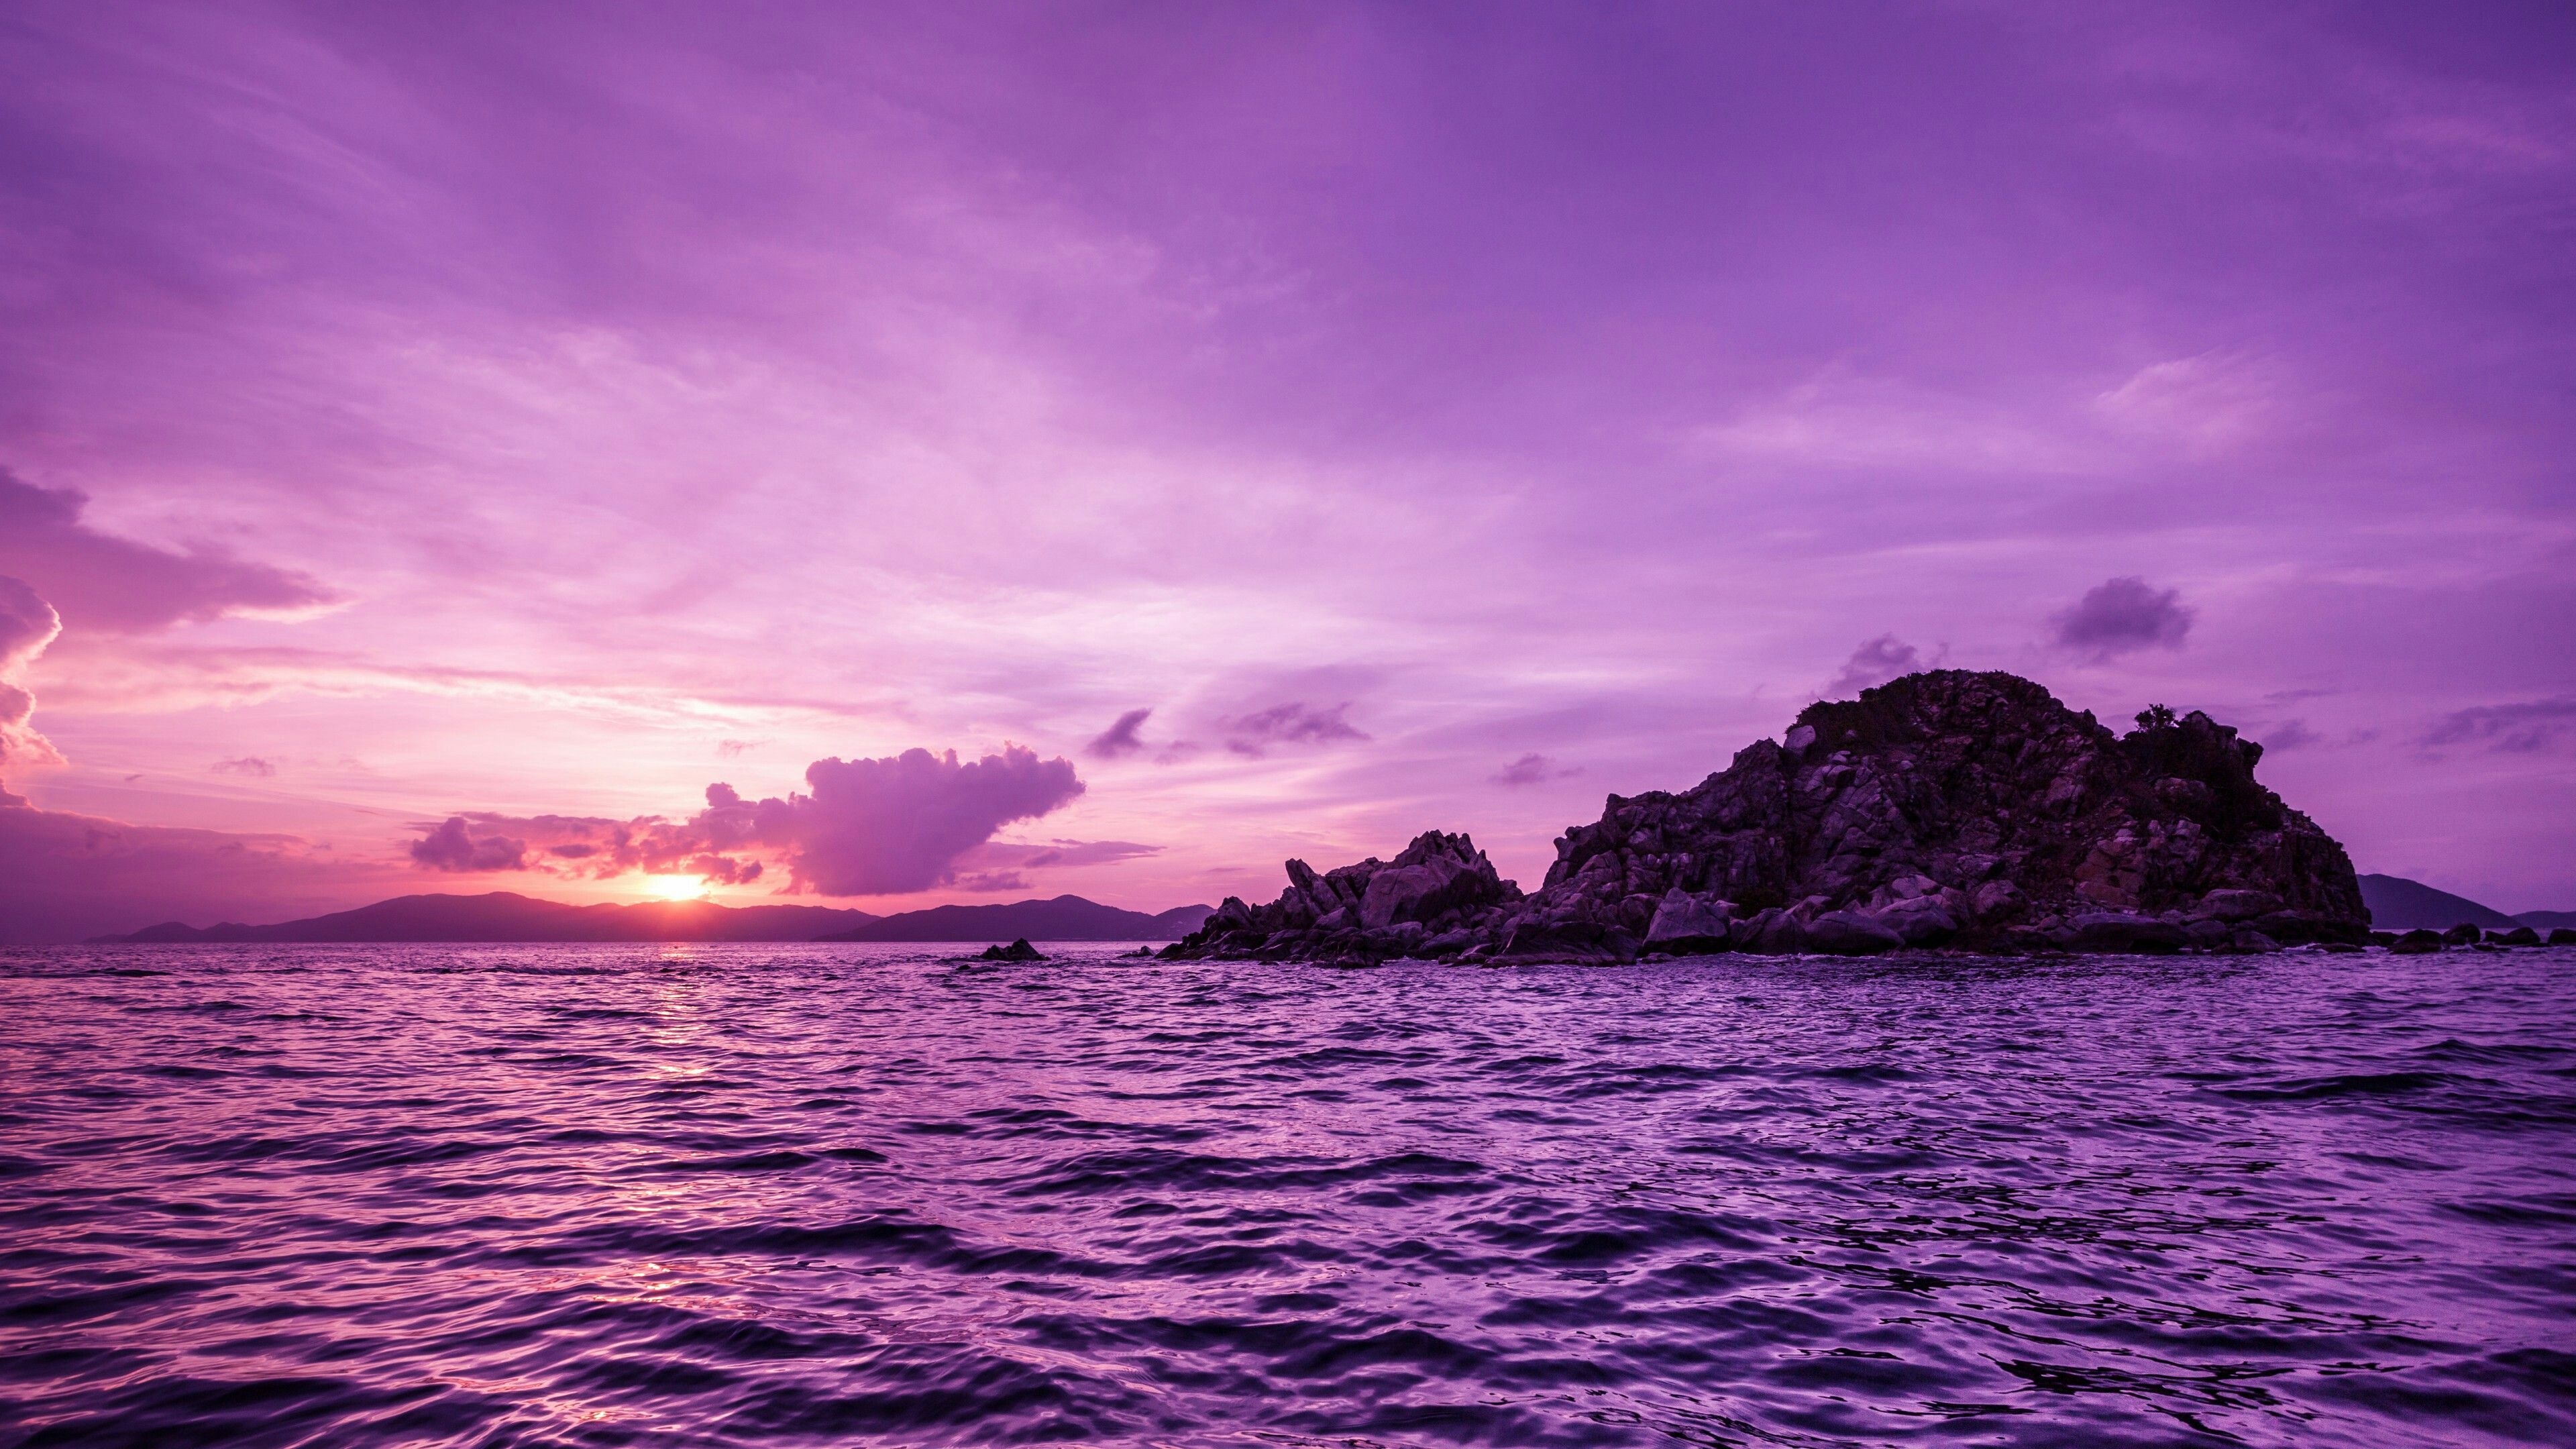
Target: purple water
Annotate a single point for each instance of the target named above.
(855, 1194)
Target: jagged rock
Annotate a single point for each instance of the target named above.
(1972, 808)
(1685, 924)
(1019, 950)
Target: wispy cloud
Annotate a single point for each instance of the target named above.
(1531, 769)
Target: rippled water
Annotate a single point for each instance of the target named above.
(856, 1194)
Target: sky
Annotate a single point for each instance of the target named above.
(896, 455)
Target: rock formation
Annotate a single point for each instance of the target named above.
(1944, 808)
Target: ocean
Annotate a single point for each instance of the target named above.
(839, 1194)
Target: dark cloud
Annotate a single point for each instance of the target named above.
(454, 846)
(2122, 616)
(2290, 734)
(27, 625)
(1531, 769)
(103, 582)
(869, 827)
(1874, 663)
(1289, 724)
(1120, 738)
(2523, 728)
(251, 765)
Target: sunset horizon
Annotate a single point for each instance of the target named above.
(1285, 462)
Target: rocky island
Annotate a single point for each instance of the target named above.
(1943, 809)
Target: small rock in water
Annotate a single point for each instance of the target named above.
(2518, 936)
(1019, 950)
(2462, 934)
(2418, 942)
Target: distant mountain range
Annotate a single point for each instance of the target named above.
(2399, 904)
(508, 916)
(1066, 918)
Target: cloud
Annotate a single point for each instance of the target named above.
(1120, 738)
(993, 880)
(723, 870)
(890, 826)
(1874, 663)
(1531, 769)
(2290, 734)
(869, 827)
(2122, 616)
(27, 625)
(736, 749)
(116, 585)
(1288, 724)
(2208, 403)
(1056, 855)
(251, 765)
(453, 846)
(2524, 728)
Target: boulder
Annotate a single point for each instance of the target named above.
(2418, 943)
(2462, 934)
(1686, 924)
(2518, 936)
(1850, 933)
(2126, 934)
(1918, 920)
(1998, 902)
(2237, 905)
(2562, 935)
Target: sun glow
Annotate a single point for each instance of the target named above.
(676, 887)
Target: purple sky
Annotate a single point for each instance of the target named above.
(535, 416)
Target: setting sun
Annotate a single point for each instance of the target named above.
(676, 887)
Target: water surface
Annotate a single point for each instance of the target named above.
(616, 1195)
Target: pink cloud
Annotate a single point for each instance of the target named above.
(103, 582)
(451, 846)
(27, 625)
(1294, 723)
(1532, 769)
(1121, 737)
(867, 827)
